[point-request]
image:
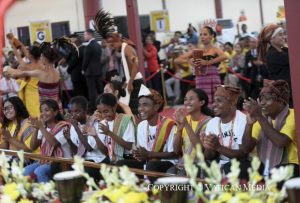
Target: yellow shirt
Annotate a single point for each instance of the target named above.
(289, 129)
(12, 128)
(185, 137)
(223, 68)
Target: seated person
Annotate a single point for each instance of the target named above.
(16, 132)
(118, 129)
(116, 87)
(155, 135)
(271, 126)
(190, 126)
(224, 133)
(50, 135)
(89, 145)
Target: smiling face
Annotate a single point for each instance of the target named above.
(221, 106)
(270, 107)
(9, 111)
(48, 114)
(147, 109)
(192, 102)
(279, 39)
(107, 112)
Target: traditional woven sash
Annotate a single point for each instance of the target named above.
(268, 153)
(163, 132)
(46, 148)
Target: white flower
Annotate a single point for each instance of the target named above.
(127, 176)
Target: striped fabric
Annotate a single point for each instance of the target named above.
(209, 82)
(49, 91)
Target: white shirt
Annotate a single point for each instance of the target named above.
(62, 140)
(128, 134)
(147, 143)
(95, 155)
(238, 132)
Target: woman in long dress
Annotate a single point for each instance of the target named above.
(208, 79)
(28, 91)
(48, 76)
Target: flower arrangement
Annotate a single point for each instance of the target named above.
(230, 189)
(16, 187)
(119, 185)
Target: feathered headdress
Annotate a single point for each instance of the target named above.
(65, 47)
(104, 23)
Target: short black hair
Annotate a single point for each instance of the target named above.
(35, 52)
(229, 44)
(107, 99)
(80, 101)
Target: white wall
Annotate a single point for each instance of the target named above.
(24, 12)
(270, 9)
(232, 9)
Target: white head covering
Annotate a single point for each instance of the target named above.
(144, 91)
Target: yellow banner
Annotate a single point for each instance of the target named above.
(281, 13)
(160, 21)
(40, 31)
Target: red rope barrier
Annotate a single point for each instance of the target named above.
(152, 75)
(178, 78)
(240, 76)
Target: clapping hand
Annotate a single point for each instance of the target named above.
(35, 122)
(179, 117)
(66, 132)
(253, 109)
(211, 142)
(141, 154)
(104, 128)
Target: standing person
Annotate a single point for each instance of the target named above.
(271, 126)
(134, 79)
(271, 51)
(92, 69)
(255, 70)
(150, 54)
(48, 76)
(224, 133)
(78, 79)
(156, 43)
(190, 126)
(209, 77)
(28, 91)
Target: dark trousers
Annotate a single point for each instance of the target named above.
(95, 87)
(185, 87)
(134, 102)
(80, 89)
(156, 83)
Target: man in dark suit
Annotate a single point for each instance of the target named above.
(92, 69)
(78, 79)
(255, 70)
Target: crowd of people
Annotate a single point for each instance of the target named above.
(90, 100)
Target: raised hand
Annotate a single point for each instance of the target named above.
(66, 132)
(35, 122)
